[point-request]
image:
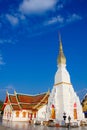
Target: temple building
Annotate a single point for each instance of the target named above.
(61, 101)
(22, 107)
(84, 105)
(63, 98)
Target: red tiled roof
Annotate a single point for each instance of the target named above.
(42, 102)
(28, 102)
(12, 99)
(39, 97)
(33, 102)
(15, 107)
(5, 102)
(30, 99)
(6, 99)
(27, 106)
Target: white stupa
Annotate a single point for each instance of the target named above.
(63, 98)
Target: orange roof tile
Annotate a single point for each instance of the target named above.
(12, 99)
(30, 99)
(15, 107)
(32, 102)
(42, 102)
(27, 106)
(27, 102)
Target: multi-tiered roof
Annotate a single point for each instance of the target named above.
(26, 102)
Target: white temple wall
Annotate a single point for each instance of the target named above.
(62, 75)
(7, 115)
(63, 97)
(20, 117)
(79, 110)
(11, 115)
(62, 101)
(41, 114)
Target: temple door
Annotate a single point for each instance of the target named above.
(52, 112)
(75, 111)
(30, 116)
(34, 114)
(17, 113)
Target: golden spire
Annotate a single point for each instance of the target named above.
(61, 57)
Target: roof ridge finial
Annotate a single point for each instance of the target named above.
(7, 92)
(15, 92)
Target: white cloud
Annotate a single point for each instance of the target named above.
(57, 19)
(12, 19)
(1, 60)
(37, 6)
(62, 20)
(73, 17)
(3, 41)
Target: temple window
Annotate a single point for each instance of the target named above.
(17, 113)
(24, 114)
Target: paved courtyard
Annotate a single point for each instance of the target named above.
(26, 126)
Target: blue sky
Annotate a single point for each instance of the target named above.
(29, 43)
